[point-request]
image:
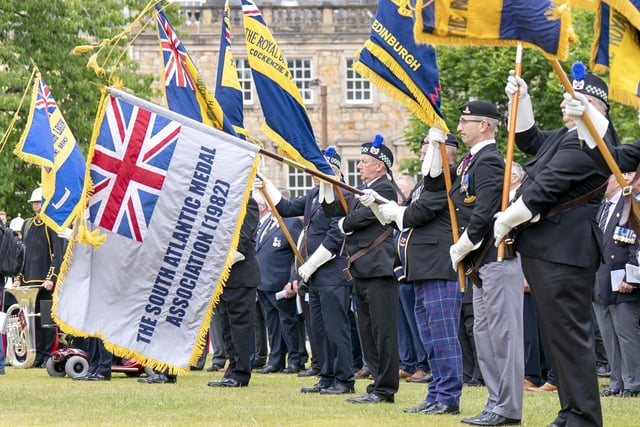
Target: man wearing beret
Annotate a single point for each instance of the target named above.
(497, 297)
(370, 249)
(559, 244)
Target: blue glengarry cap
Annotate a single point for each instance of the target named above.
(378, 150)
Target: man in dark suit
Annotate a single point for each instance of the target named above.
(320, 244)
(616, 303)
(497, 296)
(371, 253)
(237, 304)
(276, 260)
(560, 246)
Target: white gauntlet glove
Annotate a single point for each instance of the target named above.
(236, 257)
(432, 163)
(392, 212)
(272, 191)
(460, 249)
(514, 215)
(317, 259)
(325, 192)
(575, 108)
(524, 119)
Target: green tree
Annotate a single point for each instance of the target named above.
(46, 33)
(481, 72)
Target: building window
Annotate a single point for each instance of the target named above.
(353, 177)
(244, 76)
(299, 182)
(358, 90)
(301, 74)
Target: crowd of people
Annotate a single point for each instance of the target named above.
(370, 280)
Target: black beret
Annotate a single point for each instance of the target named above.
(480, 108)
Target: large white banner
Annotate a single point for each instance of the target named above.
(170, 195)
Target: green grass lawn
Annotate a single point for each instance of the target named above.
(31, 397)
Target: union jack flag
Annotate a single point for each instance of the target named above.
(175, 55)
(132, 155)
(44, 99)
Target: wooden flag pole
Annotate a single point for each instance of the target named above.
(452, 211)
(511, 142)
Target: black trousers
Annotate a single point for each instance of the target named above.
(562, 295)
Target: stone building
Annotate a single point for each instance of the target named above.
(319, 39)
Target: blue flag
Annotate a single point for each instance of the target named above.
(48, 142)
(286, 120)
(406, 71)
(228, 90)
(184, 87)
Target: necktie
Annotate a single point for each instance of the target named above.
(605, 215)
(267, 226)
(463, 165)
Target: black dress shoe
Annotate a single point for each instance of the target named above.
(291, 369)
(369, 398)
(608, 392)
(603, 371)
(338, 388)
(491, 419)
(84, 377)
(629, 393)
(421, 407)
(215, 368)
(474, 383)
(422, 380)
(98, 377)
(316, 388)
(226, 382)
(311, 372)
(159, 379)
(268, 370)
(440, 409)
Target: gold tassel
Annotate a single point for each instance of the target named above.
(93, 238)
(93, 65)
(79, 50)
(116, 82)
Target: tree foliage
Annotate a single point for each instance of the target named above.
(45, 33)
(481, 72)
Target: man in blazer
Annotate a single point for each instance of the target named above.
(276, 260)
(560, 252)
(497, 301)
(376, 290)
(617, 304)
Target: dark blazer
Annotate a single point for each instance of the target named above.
(627, 156)
(476, 207)
(560, 172)
(616, 255)
(428, 241)
(362, 228)
(321, 230)
(275, 255)
(246, 273)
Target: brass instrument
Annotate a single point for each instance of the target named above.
(21, 327)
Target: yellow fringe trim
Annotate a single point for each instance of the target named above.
(626, 9)
(419, 105)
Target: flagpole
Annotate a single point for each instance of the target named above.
(452, 211)
(283, 227)
(511, 140)
(602, 147)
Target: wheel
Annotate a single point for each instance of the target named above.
(54, 368)
(76, 366)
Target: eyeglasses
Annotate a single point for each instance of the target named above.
(464, 121)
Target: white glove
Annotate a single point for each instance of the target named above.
(515, 84)
(65, 234)
(575, 108)
(460, 249)
(524, 119)
(325, 192)
(432, 163)
(317, 259)
(392, 212)
(514, 215)
(257, 183)
(368, 199)
(272, 191)
(236, 257)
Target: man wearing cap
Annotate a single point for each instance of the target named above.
(44, 252)
(425, 237)
(371, 251)
(497, 297)
(559, 244)
(329, 291)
